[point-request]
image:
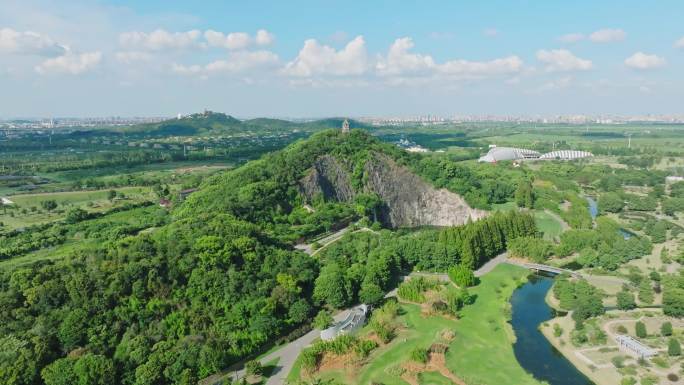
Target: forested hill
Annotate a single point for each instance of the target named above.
(341, 176)
(217, 284)
(216, 123)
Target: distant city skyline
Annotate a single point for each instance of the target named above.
(341, 58)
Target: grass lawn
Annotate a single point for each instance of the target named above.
(482, 352)
(504, 206)
(433, 378)
(91, 201)
(548, 225)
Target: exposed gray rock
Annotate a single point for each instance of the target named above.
(328, 178)
(409, 201)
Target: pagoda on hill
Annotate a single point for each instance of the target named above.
(345, 127)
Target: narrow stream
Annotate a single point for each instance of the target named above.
(534, 352)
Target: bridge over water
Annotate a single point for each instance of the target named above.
(545, 268)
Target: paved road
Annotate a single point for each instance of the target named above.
(491, 264)
(326, 241)
(287, 355)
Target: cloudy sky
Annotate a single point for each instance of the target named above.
(355, 58)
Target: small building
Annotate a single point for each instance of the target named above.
(634, 347)
(674, 179)
(353, 322)
(165, 203)
(6, 201)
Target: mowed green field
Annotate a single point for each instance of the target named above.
(548, 225)
(91, 201)
(481, 353)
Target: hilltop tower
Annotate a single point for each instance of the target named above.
(345, 127)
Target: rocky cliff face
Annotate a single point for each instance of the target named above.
(327, 178)
(409, 201)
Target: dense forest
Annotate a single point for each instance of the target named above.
(219, 280)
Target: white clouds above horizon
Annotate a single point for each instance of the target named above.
(607, 35)
(559, 60)
(318, 59)
(163, 40)
(160, 39)
(70, 63)
(399, 61)
(642, 61)
(679, 43)
(28, 43)
(236, 62)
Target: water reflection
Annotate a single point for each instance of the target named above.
(534, 352)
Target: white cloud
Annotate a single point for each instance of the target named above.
(642, 61)
(263, 37)
(571, 38)
(562, 60)
(236, 62)
(507, 65)
(70, 63)
(28, 43)
(160, 40)
(679, 43)
(317, 59)
(129, 57)
(400, 61)
(607, 35)
(234, 40)
(238, 40)
(491, 32)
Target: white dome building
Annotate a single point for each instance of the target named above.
(566, 155)
(497, 154)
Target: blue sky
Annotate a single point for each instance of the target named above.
(356, 58)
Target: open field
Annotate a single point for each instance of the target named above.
(597, 360)
(548, 224)
(480, 353)
(27, 209)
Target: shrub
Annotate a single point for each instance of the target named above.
(413, 289)
(618, 361)
(628, 381)
(640, 330)
(419, 355)
(322, 320)
(253, 368)
(622, 329)
(666, 329)
(557, 330)
(462, 276)
(673, 377)
(673, 348)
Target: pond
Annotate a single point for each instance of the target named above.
(534, 352)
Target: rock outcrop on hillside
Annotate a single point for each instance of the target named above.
(409, 201)
(327, 178)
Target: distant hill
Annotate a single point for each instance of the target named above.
(216, 123)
